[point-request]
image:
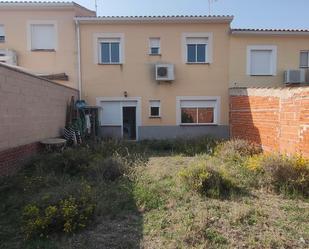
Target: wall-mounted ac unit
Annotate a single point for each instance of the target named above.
(8, 56)
(294, 76)
(165, 72)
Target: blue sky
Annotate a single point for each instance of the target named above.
(248, 13)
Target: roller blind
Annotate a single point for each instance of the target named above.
(154, 103)
(43, 36)
(202, 40)
(260, 61)
(111, 114)
(304, 59)
(197, 103)
(2, 30)
(154, 42)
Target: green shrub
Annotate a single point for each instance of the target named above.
(214, 183)
(72, 161)
(236, 150)
(109, 169)
(67, 214)
(287, 175)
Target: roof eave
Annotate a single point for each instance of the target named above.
(197, 19)
(271, 33)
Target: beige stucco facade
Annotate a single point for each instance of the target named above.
(136, 75)
(288, 57)
(16, 19)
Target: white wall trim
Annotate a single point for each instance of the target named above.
(96, 49)
(208, 35)
(138, 100)
(30, 22)
(217, 111)
(273, 48)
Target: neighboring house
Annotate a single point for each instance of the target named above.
(154, 77)
(41, 38)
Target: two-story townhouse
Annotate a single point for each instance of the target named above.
(118, 64)
(40, 37)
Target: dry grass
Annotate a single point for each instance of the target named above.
(188, 220)
(152, 208)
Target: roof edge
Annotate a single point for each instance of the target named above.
(41, 5)
(155, 19)
(269, 32)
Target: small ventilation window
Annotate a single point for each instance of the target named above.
(2, 34)
(304, 59)
(154, 46)
(154, 106)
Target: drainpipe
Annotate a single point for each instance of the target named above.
(79, 76)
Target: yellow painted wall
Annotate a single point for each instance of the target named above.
(64, 59)
(288, 57)
(137, 77)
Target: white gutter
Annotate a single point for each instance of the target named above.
(156, 19)
(79, 74)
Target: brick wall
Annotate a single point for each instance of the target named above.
(278, 119)
(31, 109)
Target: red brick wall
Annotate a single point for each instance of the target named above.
(278, 119)
(12, 159)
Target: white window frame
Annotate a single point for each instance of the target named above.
(150, 105)
(209, 46)
(304, 51)
(3, 28)
(41, 22)
(217, 109)
(109, 40)
(273, 63)
(125, 101)
(98, 38)
(150, 45)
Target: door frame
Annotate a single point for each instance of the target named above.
(123, 103)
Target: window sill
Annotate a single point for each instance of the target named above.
(110, 63)
(155, 117)
(261, 75)
(155, 54)
(194, 63)
(43, 50)
(212, 124)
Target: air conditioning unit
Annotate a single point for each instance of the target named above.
(8, 56)
(294, 76)
(165, 72)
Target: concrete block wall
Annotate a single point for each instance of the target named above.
(31, 109)
(277, 118)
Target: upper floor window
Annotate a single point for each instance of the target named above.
(154, 108)
(197, 48)
(304, 59)
(2, 33)
(108, 48)
(110, 51)
(154, 46)
(43, 36)
(261, 60)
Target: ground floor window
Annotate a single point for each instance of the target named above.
(154, 106)
(198, 112)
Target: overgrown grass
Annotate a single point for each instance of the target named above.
(197, 193)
